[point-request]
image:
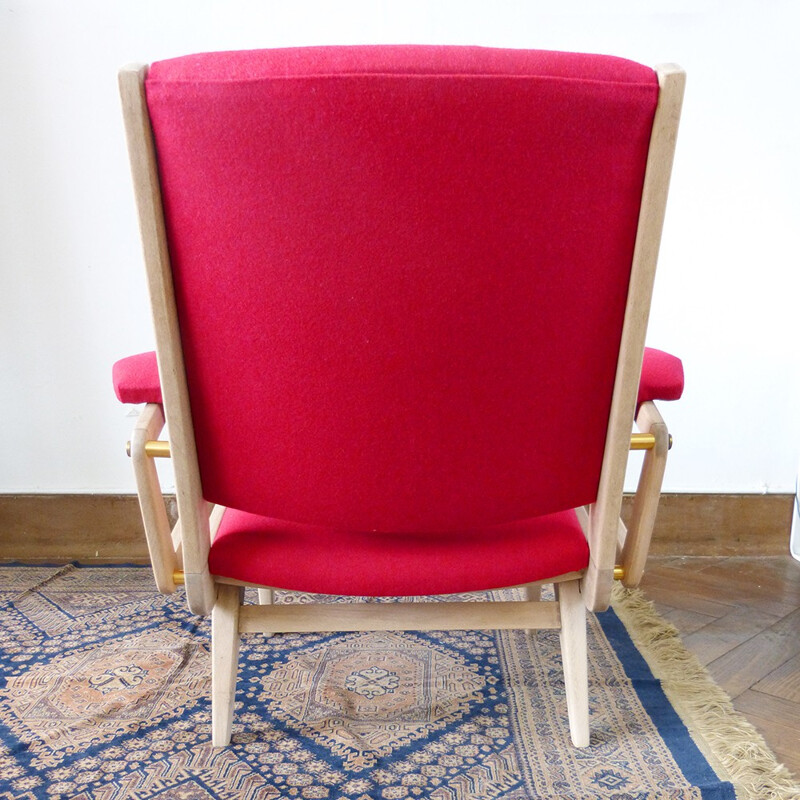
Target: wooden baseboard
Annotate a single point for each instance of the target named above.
(88, 528)
(721, 524)
(107, 529)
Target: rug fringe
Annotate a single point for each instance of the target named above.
(733, 741)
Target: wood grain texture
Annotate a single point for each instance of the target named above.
(91, 529)
(636, 544)
(604, 512)
(724, 634)
(681, 593)
(158, 531)
(778, 720)
(719, 524)
(740, 668)
(685, 619)
(713, 583)
(317, 618)
(574, 660)
(751, 642)
(196, 536)
(783, 682)
(225, 642)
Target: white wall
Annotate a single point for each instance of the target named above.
(73, 298)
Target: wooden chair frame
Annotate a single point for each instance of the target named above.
(181, 555)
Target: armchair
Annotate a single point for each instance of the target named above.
(400, 297)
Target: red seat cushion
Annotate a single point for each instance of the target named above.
(662, 376)
(136, 379)
(288, 555)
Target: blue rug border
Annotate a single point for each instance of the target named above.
(669, 725)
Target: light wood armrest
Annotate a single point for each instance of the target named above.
(164, 552)
(645, 502)
(165, 546)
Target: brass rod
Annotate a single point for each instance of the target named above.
(619, 573)
(643, 441)
(646, 441)
(156, 449)
(178, 578)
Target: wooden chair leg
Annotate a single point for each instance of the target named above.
(224, 661)
(265, 598)
(533, 594)
(574, 657)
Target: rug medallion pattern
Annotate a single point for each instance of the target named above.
(105, 694)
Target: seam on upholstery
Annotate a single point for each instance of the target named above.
(427, 75)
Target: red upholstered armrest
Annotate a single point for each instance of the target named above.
(662, 377)
(136, 378)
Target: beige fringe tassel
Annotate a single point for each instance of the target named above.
(723, 734)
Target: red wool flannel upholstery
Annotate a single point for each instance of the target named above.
(525, 551)
(400, 275)
(136, 378)
(312, 559)
(662, 376)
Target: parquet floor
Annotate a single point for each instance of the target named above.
(741, 617)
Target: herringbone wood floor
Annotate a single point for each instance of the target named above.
(741, 617)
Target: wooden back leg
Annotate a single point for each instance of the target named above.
(224, 661)
(574, 657)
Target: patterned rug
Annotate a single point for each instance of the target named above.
(105, 694)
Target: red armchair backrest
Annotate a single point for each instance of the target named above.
(401, 274)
